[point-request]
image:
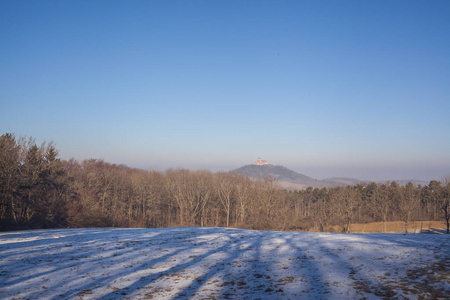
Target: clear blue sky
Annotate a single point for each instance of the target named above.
(327, 88)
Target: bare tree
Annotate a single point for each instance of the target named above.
(225, 185)
(323, 204)
(148, 191)
(407, 201)
(440, 194)
(183, 190)
(379, 202)
(445, 204)
(348, 200)
(244, 190)
(270, 196)
(204, 194)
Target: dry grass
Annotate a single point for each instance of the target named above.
(398, 226)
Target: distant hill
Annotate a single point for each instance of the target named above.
(285, 177)
(291, 180)
(342, 181)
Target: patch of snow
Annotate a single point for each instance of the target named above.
(199, 263)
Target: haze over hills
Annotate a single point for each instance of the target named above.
(342, 181)
(289, 179)
(285, 177)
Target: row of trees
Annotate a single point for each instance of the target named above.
(38, 190)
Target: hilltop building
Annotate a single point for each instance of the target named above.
(261, 162)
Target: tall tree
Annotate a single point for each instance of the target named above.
(445, 204)
(9, 180)
(323, 202)
(225, 185)
(407, 202)
(348, 200)
(440, 194)
(379, 202)
(244, 190)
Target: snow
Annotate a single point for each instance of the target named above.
(220, 263)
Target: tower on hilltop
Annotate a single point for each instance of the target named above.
(260, 162)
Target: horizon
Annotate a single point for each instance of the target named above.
(354, 89)
(402, 175)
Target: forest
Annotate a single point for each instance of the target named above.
(40, 190)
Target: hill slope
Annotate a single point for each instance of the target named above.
(286, 178)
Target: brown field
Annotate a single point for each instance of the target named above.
(397, 227)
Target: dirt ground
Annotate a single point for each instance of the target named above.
(397, 227)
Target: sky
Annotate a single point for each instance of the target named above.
(327, 88)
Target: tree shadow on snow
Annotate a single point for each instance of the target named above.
(185, 263)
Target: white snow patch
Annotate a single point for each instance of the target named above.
(207, 263)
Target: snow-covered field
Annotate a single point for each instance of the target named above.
(219, 263)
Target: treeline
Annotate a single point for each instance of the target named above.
(39, 190)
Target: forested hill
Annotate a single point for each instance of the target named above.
(39, 190)
(286, 178)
